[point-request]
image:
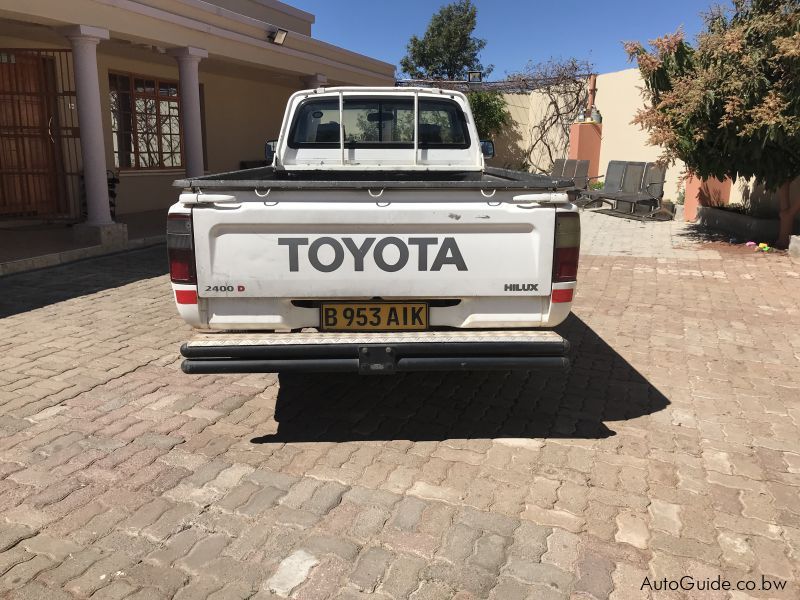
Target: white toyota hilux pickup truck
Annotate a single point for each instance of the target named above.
(376, 242)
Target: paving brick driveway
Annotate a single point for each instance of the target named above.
(672, 449)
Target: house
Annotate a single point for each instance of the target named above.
(146, 91)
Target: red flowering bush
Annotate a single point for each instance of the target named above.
(730, 104)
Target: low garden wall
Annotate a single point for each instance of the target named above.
(794, 246)
(743, 226)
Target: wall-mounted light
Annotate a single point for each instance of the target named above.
(277, 37)
(474, 76)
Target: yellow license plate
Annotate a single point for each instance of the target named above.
(373, 316)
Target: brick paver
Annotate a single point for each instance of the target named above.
(671, 449)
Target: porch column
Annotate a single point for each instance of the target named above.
(188, 61)
(84, 40)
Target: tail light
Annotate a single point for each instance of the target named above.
(180, 248)
(567, 247)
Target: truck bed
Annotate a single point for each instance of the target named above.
(263, 178)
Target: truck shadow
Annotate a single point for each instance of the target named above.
(601, 386)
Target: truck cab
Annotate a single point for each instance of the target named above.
(375, 130)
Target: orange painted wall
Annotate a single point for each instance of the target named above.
(708, 192)
(584, 144)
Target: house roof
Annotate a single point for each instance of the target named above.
(227, 34)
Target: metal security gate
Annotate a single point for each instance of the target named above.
(40, 159)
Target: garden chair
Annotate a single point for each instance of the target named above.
(632, 179)
(630, 189)
(612, 184)
(558, 168)
(569, 168)
(581, 177)
(654, 178)
(630, 186)
(645, 201)
(577, 170)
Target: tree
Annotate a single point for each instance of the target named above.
(731, 105)
(490, 112)
(447, 52)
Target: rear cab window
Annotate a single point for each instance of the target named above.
(379, 123)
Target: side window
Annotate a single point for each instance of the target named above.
(317, 123)
(441, 123)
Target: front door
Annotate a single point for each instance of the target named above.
(29, 174)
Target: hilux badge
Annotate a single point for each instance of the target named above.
(521, 287)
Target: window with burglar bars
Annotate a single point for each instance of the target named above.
(145, 122)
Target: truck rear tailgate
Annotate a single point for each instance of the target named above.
(362, 249)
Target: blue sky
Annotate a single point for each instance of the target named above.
(515, 31)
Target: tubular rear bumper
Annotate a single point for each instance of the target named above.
(375, 353)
